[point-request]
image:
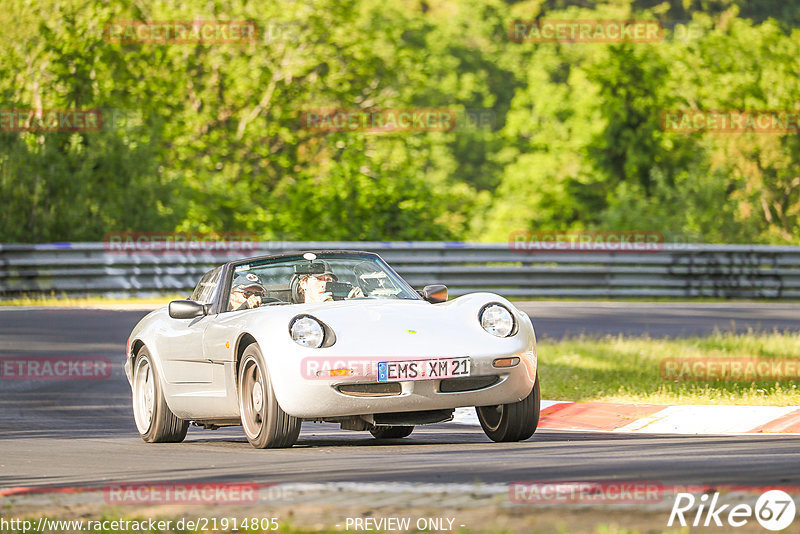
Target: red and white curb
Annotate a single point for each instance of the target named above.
(660, 419)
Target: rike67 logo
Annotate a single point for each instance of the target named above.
(774, 510)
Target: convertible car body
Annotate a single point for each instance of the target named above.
(329, 336)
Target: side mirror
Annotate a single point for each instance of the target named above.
(187, 309)
(435, 293)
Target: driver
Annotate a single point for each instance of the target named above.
(247, 291)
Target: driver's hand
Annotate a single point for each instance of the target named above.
(237, 299)
(355, 293)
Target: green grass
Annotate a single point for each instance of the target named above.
(58, 301)
(626, 369)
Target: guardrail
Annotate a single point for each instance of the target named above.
(678, 270)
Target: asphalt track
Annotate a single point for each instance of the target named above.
(81, 433)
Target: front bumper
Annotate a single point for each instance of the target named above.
(318, 399)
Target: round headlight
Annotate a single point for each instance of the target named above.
(497, 320)
(307, 331)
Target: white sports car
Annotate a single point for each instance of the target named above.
(329, 336)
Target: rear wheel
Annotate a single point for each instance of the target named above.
(391, 432)
(265, 424)
(154, 420)
(515, 421)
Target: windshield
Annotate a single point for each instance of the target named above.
(315, 278)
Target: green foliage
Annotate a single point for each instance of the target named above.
(208, 137)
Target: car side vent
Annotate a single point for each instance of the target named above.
(388, 389)
(467, 383)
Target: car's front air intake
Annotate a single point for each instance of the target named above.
(388, 389)
(467, 383)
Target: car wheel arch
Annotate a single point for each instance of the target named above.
(136, 346)
(155, 359)
(245, 340)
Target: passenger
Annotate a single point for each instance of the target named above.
(312, 286)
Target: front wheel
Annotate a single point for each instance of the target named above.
(391, 432)
(154, 420)
(515, 421)
(265, 424)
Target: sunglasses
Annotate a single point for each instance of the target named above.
(248, 292)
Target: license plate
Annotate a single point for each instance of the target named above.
(423, 369)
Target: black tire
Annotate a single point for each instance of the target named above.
(154, 420)
(265, 424)
(516, 421)
(391, 432)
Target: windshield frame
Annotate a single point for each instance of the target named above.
(298, 256)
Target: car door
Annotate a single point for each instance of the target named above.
(182, 341)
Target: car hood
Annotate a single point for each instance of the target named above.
(410, 327)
